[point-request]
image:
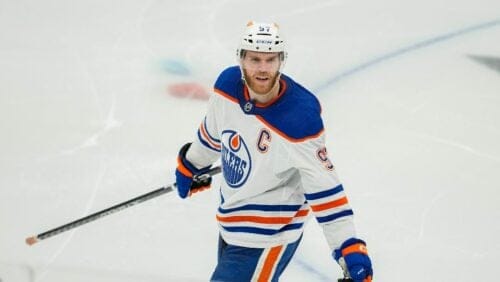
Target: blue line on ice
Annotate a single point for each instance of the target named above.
(402, 51)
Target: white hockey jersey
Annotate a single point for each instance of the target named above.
(274, 164)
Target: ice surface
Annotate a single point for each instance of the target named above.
(410, 95)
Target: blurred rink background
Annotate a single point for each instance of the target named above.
(96, 97)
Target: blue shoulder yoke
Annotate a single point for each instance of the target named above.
(296, 114)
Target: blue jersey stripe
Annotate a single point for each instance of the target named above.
(323, 219)
(262, 231)
(323, 194)
(271, 208)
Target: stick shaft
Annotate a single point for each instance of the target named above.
(103, 213)
(108, 211)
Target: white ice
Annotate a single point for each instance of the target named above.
(413, 126)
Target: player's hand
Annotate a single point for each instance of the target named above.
(187, 176)
(353, 258)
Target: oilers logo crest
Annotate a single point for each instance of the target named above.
(236, 161)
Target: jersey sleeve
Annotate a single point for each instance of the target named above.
(206, 146)
(324, 191)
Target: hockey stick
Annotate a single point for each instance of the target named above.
(345, 280)
(118, 207)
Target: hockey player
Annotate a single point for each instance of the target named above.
(268, 133)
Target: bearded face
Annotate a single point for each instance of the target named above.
(261, 70)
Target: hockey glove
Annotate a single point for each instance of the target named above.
(353, 258)
(187, 175)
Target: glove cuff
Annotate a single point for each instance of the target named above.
(351, 245)
(185, 167)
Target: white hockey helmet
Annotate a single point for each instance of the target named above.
(262, 37)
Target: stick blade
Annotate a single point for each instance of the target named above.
(31, 240)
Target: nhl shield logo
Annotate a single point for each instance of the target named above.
(236, 161)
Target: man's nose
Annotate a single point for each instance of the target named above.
(263, 67)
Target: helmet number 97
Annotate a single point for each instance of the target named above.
(264, 28)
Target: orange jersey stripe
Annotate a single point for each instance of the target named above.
(282, 134)
(224, 94)
(302, 213)
(262, 219)
(269, 264)
(256, 219)
(329, 205)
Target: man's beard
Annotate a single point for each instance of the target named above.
(250, 83)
